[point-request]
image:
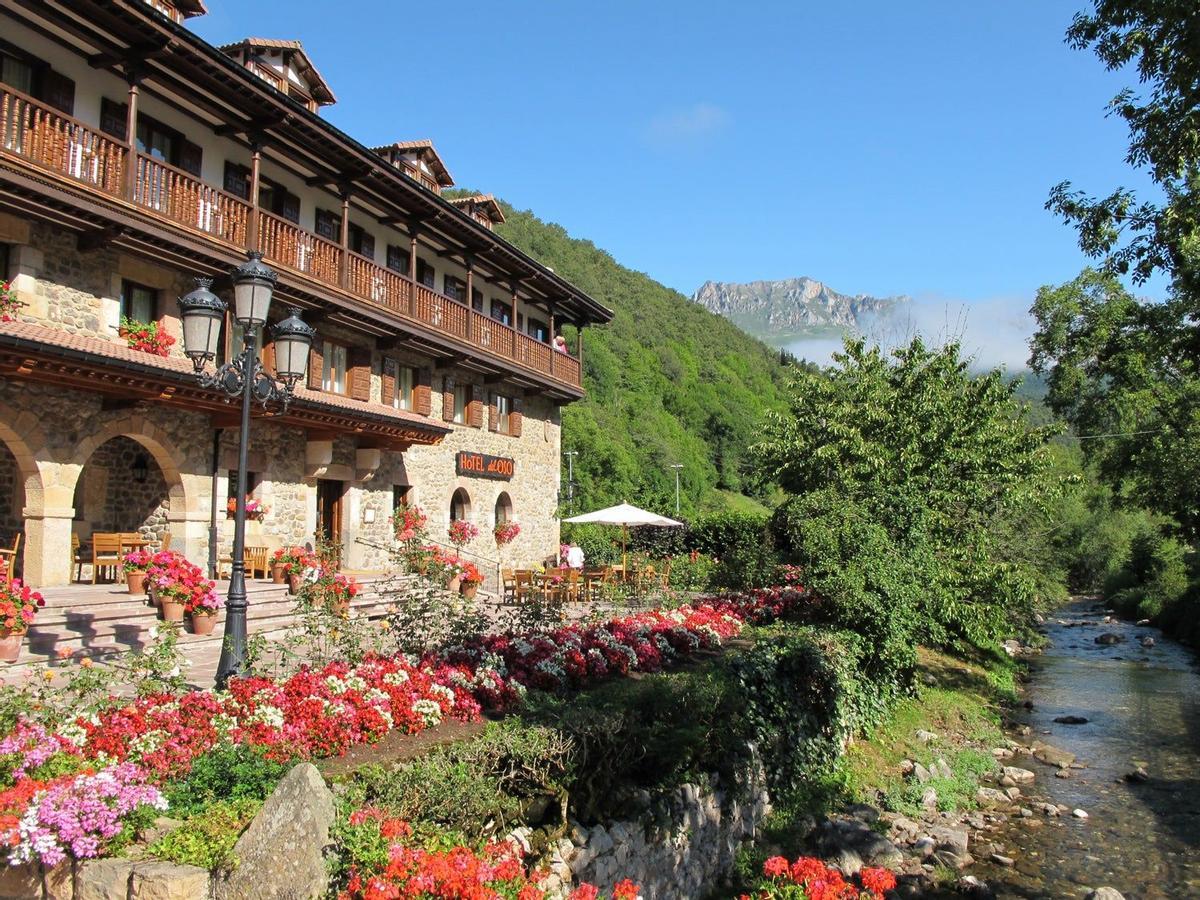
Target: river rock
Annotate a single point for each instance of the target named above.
(1105, 893)
(1109, 638)
(971, 886)
(1138, 775)
(1018, 775)
(986, 796)
(1002, 753)
(1001, 860)
(1143, 622)
(1071, 720)
(1052, 756)
(282, 854)
(1079, 813)
(929, 799)
(1062, 773)
(941, 768)
(924, 846)
(925, 736)
(1147, 642)
(921, 773)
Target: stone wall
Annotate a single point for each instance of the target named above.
(679, 847)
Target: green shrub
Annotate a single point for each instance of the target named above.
(692, 575)
(1153, 576)
(207, 838)
(600, 543)
(227, 772)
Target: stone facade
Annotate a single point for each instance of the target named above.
(72, 454)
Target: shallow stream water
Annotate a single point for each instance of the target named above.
(1143, 708)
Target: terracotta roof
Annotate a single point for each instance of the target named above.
(53, 338)
(191, 8)
(426, 150)
(494, 212)
(321, 91)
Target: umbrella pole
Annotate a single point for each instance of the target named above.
(624, 560)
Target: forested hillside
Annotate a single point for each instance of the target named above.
(667, 382)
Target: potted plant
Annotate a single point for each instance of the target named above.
(173, 579)
(418, 559)
(202, 606)
(9, 304)
(461, 532)
(505, 533)
(256, 510)
(135, 563)
(469, 580)
(278, 567)
(294, 561)
(18, 606)
(148, 337)
(409, 524)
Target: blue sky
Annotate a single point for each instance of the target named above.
(881, 147)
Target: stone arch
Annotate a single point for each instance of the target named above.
(161, 448)
(460, 505)
(504, 508)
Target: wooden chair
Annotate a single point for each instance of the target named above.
(256, 562)
(166, 542)
(106, 554)
(508, 586)
(78, 558)
(594, 582)
(572, 584)
(522, 584)
(8, 559)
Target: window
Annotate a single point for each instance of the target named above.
(333, 368)
(361, 242)
(504, 511)
(477, 299)
(455, 289)
(462, 396)
(16, 73)
(329, 225)
(3, 262)
(397, 259)
(400, 495)
(138, 302)
(276, 199)
(539, 330)
(503, 413)
(460, 505)
(237, 180)
(501, 312)
(253, 483)
(404, 380)
(30, 75)
(425, 273)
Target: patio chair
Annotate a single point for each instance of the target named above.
(522, 584)
(166, 542)
(8, 559)
(508, 586)
(572, 584)
(106, 554)
(78, 558)
(256, 562)
(594, 581)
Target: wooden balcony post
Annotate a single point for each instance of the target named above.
(412, 269)
(255, 180)
(344, 263)
(469, 261)
(552, 335)
(579, 349)
(514, 285)
(134, 77)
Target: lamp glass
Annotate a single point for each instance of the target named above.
(291, 358)
(201, 333)
(252, 301)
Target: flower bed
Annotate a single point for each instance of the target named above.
(323, 712)
(811, 879)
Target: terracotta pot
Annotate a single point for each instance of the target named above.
(172, 610)
(468, 589)
(277, 576)
(152, 597)
(136, 581)
(294, 582)
(202, 624)
(340, 607)
(10, 644)
(454, 583)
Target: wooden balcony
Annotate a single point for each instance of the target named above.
(47, 140)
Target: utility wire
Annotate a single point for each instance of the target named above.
(1087, 437)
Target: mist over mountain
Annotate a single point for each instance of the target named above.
(809, 319)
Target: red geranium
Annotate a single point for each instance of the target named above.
(18, 606)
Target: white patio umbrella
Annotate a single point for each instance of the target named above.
(623, 514)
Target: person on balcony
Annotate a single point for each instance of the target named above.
(560, 343)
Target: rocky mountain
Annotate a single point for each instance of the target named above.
(795, 306)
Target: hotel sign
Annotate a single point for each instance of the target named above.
(480, 465)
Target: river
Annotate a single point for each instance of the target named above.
(1143, 708)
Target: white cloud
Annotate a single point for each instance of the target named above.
(686, 126)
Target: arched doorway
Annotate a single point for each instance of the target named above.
(504, 510)
(12, 506)
(460, 505)
(122, 488)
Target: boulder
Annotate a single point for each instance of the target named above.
(168, 881)
(921, 773)
(925, 736)
(1147, 642)
(1138, 775)
(104, 879)
(986, 796)
(1018, 775)
(282, 854)
(1071, 720)
(1108, 639)
(1079, 813)
(19, 882)
(1052, 756)
(1105, 893)
(941, 768)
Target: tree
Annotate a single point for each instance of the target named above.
(911, 467)
(1161, 38)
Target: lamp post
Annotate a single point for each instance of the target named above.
(203, 313)
(676, 467)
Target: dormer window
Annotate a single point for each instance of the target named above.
(420, 162)
(483, 208)
(286, 67)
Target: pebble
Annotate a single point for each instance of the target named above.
(1002, 753)
(925, 736)
(1137, 775)
(1063, 773)
(1001, 860)
(1079, 813)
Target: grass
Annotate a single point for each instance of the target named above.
(207, 838)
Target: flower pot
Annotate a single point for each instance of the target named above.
(172, 610)
(294, 582)
(277, 575)
(10, 644)
(340, 607)
(453, 584)
(136, 582)
(203, 623)
(468, 589)
(152, 597)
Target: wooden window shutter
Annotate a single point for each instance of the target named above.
(368, 245)
(515, 416)
(58, 91)
(493, 414)
(448, 399)
(359, 365)
(387, 382)
(397, 259)
(191, 156)
(475, 410)
(268, 358)
(237, 180)
(329, 225)
(316, 363)
(113, 118)
(422, 395)
(289, 208)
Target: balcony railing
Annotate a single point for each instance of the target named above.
(51, 141)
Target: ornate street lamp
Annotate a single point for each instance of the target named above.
(202, 313)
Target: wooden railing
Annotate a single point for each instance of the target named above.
(419, 176)
(292, 246)
(270, 76)
(181, 197)
(50, 140)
